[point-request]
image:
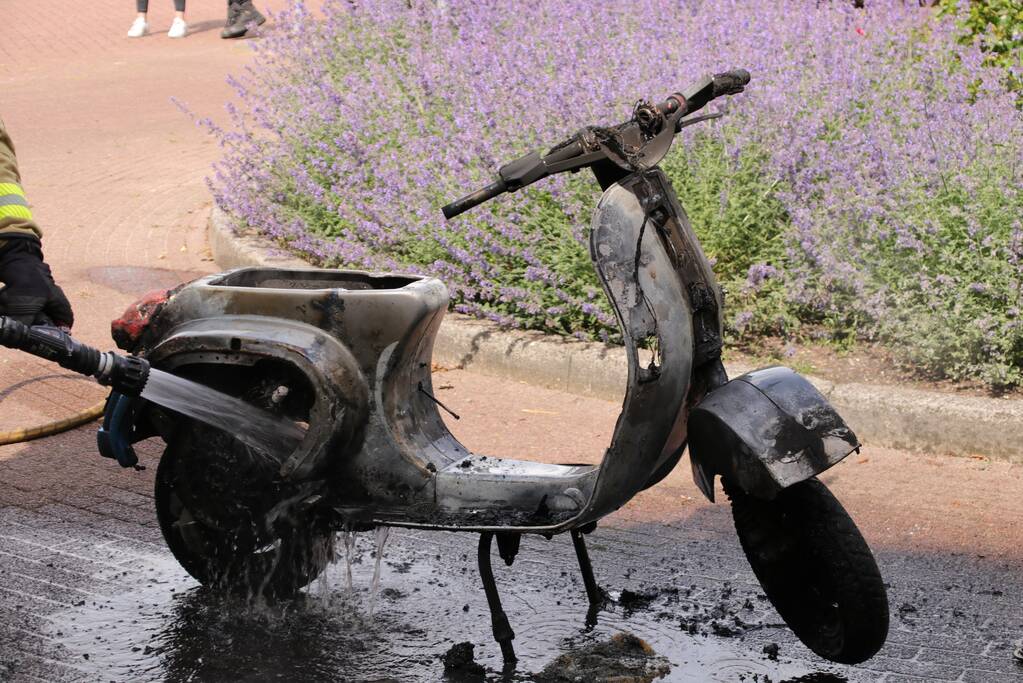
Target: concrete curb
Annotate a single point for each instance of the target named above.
(890, 416)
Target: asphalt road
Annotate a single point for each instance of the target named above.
(88, 591)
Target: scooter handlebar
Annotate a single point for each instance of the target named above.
(533, 166)
(475, 199)
(699, 94)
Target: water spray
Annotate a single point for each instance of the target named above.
(132, 377)
(126, 375)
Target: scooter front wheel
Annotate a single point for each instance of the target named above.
(815, 568)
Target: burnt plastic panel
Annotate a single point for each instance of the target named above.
(340, 388)
(650, 301)
(384, 323)
(765, 431)
(274, 278)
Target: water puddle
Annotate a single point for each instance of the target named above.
(402, 613)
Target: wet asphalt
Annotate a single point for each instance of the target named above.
(682, 588)
(88, 591)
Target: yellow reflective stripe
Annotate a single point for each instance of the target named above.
(13, 203)
(15, 211)
(11, 188)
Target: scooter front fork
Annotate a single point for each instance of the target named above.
(508, 548)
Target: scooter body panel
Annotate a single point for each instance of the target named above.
(653, 311)
(338, 387)
(765, 430)
(399, 465)
(364, 341)
(378, 330)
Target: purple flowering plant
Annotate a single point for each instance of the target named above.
(866, 185)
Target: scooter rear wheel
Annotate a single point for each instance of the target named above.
(214, 495)
(230, 557)
(815, 568)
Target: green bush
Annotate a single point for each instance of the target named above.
(958, 297)
(998, 24)
(733, 204)
(866, 186)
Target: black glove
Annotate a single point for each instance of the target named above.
(31, 296)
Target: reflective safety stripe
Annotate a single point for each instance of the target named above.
(18, 199)
(15, 211)
(11, 188)
(13, 203)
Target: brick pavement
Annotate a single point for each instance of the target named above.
(88, 591)
(114, 170)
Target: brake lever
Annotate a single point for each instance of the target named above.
(698, 119)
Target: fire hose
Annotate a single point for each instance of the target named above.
(125, 374)
(56, 427)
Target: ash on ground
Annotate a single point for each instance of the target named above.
(460, 663)
(622, 659)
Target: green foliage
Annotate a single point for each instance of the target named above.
(958, 293)
(733, 205)
(998, 24)
(866, 187)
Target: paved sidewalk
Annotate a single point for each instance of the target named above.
(88, 591)
(114, 170)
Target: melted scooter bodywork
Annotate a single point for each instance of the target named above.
(766, 431)
(353, 351)
(364, 342)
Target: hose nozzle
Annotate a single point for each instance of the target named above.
(125, 374)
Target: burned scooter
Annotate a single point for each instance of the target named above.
(348, 355)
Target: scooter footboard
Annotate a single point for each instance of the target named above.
(765, 431)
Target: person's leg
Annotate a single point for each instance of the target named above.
(178, 29)
(232, 14)
(240, 14)
(140, 27)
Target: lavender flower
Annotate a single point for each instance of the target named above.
(894, 153)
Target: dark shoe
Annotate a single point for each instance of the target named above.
(239, 17)
(233, 10)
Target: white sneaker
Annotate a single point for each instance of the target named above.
(139, 28)
(178, 29)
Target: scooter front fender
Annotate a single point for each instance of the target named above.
(765, 431)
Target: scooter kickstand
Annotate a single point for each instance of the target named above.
(503, 632)
(593, 592)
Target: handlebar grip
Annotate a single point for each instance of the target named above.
(475, 199)
(730, 82)
(695, 97)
